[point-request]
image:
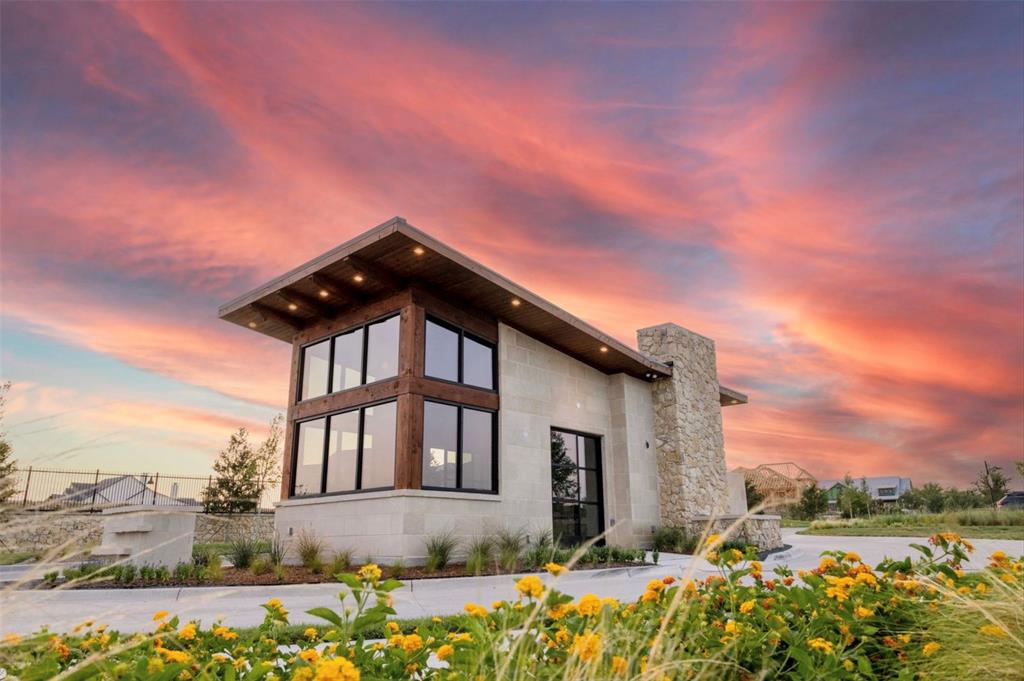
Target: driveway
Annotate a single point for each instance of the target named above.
(132, 609)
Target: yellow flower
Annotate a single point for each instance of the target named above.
(530, 585)
(851, 557)
(820, 644)
(436, 620)
(848, 665)
(561, 636)
(586, 646)
(589, 605)
(412, 643)
(610, 602)
(224, 633)
(747, 606)
(712, 556)
(239, 663)
(861, 611)
(731, 627)
(309, 655)
(445, 651)
(559, 611)
(992, 630)
(274, 603)
(173, 656)
(302, 674)
(463, 637)
(338, 669)
(370, 573)
(310, 632)
(188, 632)
(555, 568)
(866, 578)
(619, 665)
(930, 648)
(395, 641)
(655, 585)
(392, 627)
(12, 640)
(159, 615)
(475, 610)
(712, 540)
(981, 587)
(154, 666)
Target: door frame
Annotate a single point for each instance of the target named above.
(599, 440)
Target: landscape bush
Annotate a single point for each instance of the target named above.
(440, 548)
(902, 619)
(242, 551)
(309, 548)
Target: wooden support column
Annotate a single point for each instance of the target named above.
(409, 442)
(289, 424)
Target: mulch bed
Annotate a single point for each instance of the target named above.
(296, 574)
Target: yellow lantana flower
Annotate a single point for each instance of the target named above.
(589, 605)
(159, 615)
(475, 610)
(555, 568)
(370, 573)
(445, 651)
(992, 630)
(930, 648)
(747, 606)
(530, 585)
(412, 643)
(586, 646)
(338, 669)
(619, 665)
(820, 644)
(188, 632)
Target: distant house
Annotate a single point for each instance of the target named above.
(779, 484)
(885, 489)
(120, 490)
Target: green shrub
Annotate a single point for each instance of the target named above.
(440, 548)
(214, 571)
(243, 550)
(478, 554)
(182, 572)
(201, 555)
(128, 573)
(509, 544)
(310, 548)
(341, 561)
(261, 566)
(51, 577)
(279, 572)
(278, 550)
(673, 540)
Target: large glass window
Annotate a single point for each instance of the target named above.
(442, 360)
(378, 462)
(382, 350)
(315, 369)
(358, 447)
(348, 360)
(458, 447)
(359, 356)
(454, 355)
(440, 444)
(577, 505)
(309, 457)
(343, 452)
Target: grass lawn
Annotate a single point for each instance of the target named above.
(977, 532)
(15, 557)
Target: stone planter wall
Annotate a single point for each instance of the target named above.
(764, 531)
(44, 530)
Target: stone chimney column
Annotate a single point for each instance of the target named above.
(689, 445)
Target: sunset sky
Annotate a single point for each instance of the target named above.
(831, 192)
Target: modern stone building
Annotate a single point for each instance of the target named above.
(429, 393)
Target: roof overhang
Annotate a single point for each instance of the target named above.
(396, 255)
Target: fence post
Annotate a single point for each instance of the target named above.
(209, 484)
(95, 484)
(28, 479)
(156, 483)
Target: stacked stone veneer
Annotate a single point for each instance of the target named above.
(687, 425)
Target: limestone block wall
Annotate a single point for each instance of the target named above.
(687, 424)
(763, 531)
(44, 530)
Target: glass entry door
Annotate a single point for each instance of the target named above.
(577, 504)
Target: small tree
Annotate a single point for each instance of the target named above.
(959, 499)
(928, 497)
(754, 498)
(854, 500)
(992, 484)
(813, 502)
(243, 472)
(7, 463)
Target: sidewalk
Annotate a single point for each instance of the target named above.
(132, 609)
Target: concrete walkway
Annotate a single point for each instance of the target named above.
(132, 609)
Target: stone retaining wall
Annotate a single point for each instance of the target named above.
(43, 530)
(764, 531)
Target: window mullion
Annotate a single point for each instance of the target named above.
(366, 347)
(458, 448)
(359, 450)
(323, 458)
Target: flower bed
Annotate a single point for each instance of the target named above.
(844, 619)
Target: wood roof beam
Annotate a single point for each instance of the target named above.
(307, 304)
(266, 312)
(340, 292)
(376, 273)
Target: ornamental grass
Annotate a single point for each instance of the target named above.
(902, 619)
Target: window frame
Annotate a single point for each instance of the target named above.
(327, 441)
(599, 470)
(462, 334)
(458, 448)
(364, 329)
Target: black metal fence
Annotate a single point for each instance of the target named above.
(49, 489)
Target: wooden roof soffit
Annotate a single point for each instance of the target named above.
(380, 275)
(338, 291)
(307, 304)
(267, 312)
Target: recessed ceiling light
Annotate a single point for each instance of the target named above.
(604, 349)
(293, 307)
(358, 279)
(418, 250)
(516, 302)
(252, 325)
(323, 293)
